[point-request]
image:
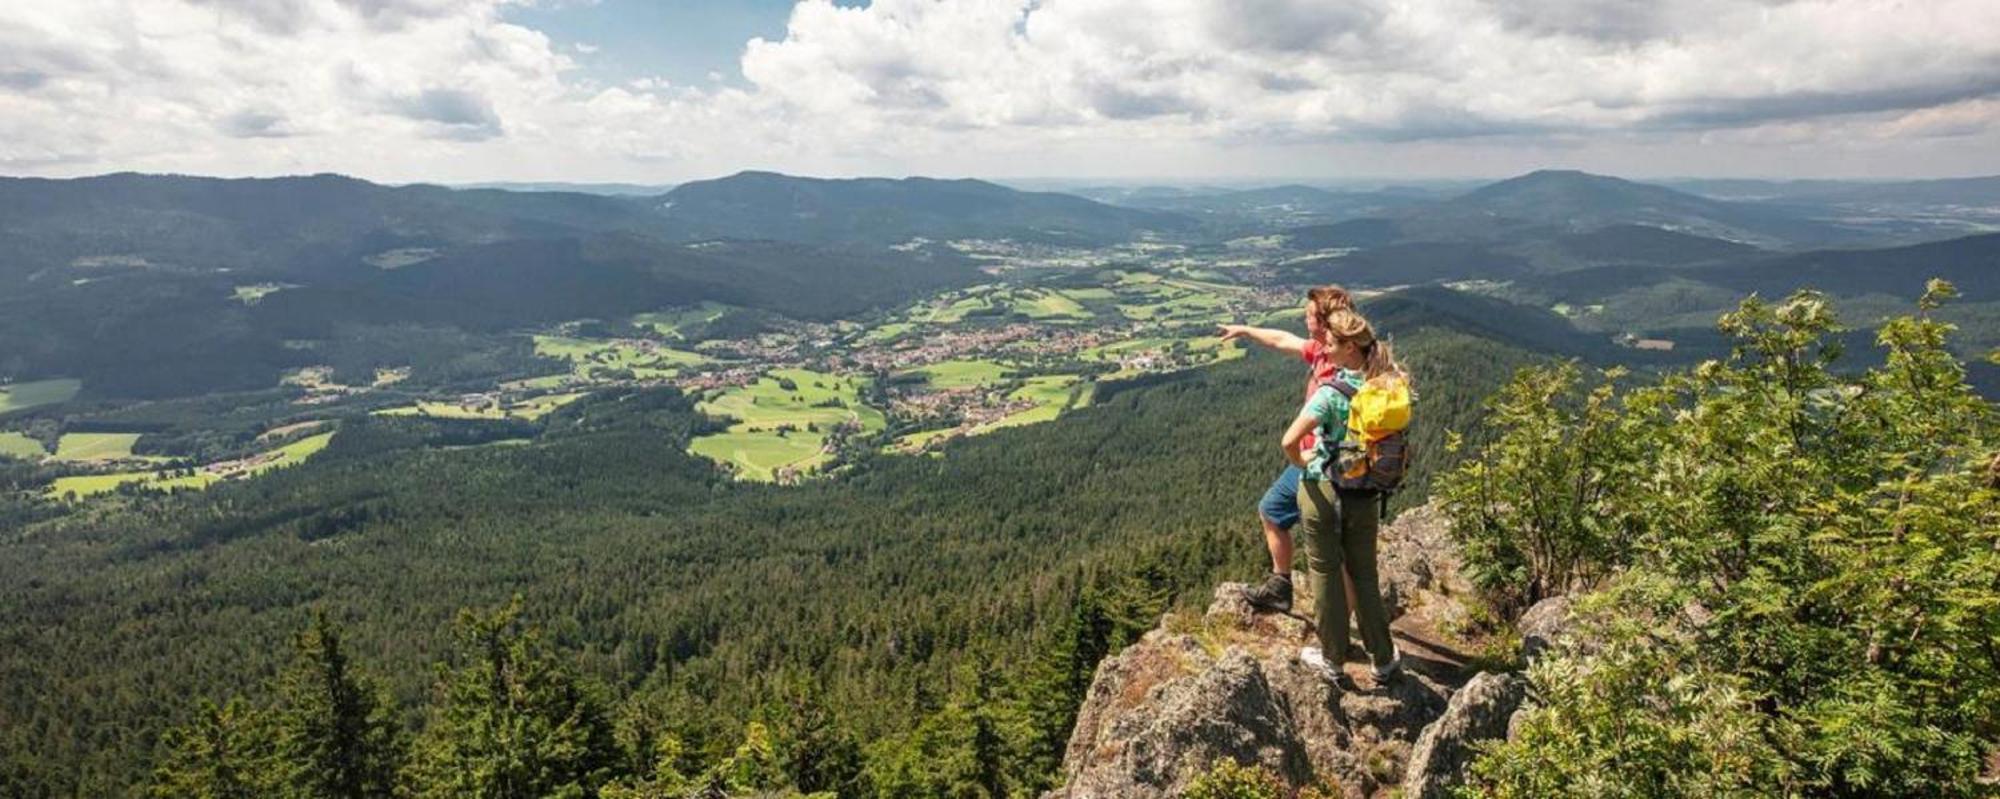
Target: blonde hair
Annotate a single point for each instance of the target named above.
(1344, 325)
(1329, 298)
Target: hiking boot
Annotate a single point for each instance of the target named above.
(1274, 594)
(1390, 670)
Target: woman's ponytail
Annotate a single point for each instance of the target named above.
(1379, 357)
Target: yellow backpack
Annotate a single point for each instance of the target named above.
(1376, 451)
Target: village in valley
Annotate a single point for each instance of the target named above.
(804, 398)
(793, 399)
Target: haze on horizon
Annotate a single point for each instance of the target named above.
(641, 92)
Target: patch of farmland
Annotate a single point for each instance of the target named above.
(16, 445)
(782, 421)
(962, 373)
(95, 446)
(887, 332)
(646, 360)
(1045, 305)
(81, 486)
(36, 393)
(1051, 395)
(677, 322)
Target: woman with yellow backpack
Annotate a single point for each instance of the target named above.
(1358, 418)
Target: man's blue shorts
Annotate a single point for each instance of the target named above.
(1280, 505)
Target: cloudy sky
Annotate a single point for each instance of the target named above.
(670, 90)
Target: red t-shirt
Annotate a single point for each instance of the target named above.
(1323, 369)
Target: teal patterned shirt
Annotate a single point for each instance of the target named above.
(1330, 408)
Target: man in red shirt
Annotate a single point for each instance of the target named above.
(1278, 511)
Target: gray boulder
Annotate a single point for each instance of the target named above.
(1543, 624)
(1480, 711)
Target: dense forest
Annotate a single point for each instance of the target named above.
(897, 610)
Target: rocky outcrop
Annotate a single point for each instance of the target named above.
(1481, 710)
(1419, 565)
(1228, 685)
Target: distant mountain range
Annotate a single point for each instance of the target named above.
(120, 275)
(612, 189)
(765, 205)
(1281, 205)
(1977, 191)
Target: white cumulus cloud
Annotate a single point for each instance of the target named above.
(450, 90)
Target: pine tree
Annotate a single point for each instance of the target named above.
(817, 755)
(513, 722)
(1060, 677)
(754, 766)
(335, 735)
(219, 754)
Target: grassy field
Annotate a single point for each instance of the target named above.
(1045, 305)
(887, 332)
(915, 441)
(952, 311)
(16, 445)
(755, 445)
(95, 446)
(542, 383)
(1037, 304)
(961, 373)
(86, 485)
(538, 407)
(588, 356)
(22, 396)
(530, 409)
(1051, 395)
(445, 410)
(1137, 346)
(675, 323)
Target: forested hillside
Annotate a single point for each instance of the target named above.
(898, 613)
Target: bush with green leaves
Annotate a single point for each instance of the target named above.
(1819, 553)
(1228, 779)
(1547, 508)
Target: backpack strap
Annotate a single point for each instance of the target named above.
(1345, 388)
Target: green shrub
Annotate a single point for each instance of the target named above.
(1228, 779)
(1807, 568)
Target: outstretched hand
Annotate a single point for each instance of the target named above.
(1231, 332)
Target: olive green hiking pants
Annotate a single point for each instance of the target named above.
(1340, 532)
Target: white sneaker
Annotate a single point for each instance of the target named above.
(1312, 658)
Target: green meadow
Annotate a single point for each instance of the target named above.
(961, 373)
(34, 394)
(16, 445)
(917, 440)
(1041, 305)
(799, 399)
(86, 485)
(588, 356)
(677, 322)
(888, 332)
(95, 446)
(531, 409)
(1052, 394)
